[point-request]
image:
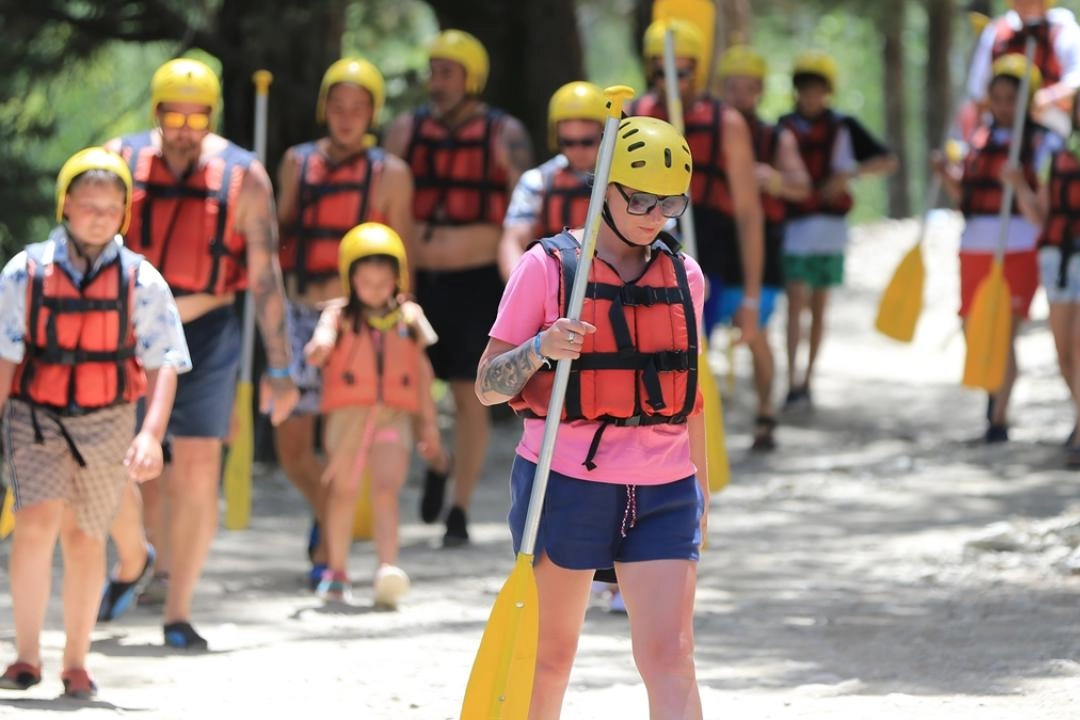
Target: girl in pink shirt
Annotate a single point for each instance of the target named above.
(623, 491)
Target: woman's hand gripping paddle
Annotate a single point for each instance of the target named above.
(238, 462)
(698, 13)
(500, 685)
(988, 329)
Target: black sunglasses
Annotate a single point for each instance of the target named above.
(681, 73)
(642, 203)
(586, 142)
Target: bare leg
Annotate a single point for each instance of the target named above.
(1001, 397)
(564, 598)
(295, 443)
(662, 633)
(764, 370)
(473, 426)
(389, 463)
(193, 518)
(155, 514)
(128, 535)
(84, 573)
(819, 298)
(798, 298)
(33, 542)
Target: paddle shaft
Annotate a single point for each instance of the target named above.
(675, 113)
(1015, 142)
(262, 80)
(573, 312)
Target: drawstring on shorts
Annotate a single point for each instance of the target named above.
(40, 438)
(630, 512)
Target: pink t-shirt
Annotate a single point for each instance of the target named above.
(650, 455)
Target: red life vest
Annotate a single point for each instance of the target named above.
(1007, 40)
(640, 366)
(186, 228)
(766, 140)
(566, 201)
(80, 340)
(1061, 224)
(981, 188)
(458, 181)
(331, 200)
(816, 139)
(704, 123)
(373, 367)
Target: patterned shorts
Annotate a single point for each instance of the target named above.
(47, 468)
(302, 322)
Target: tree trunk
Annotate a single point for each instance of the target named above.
(733, 20)
(892, 29)
(940, 103)
(534, 48)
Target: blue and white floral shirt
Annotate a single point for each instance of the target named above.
(159, 334)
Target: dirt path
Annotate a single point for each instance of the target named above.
(848, 575)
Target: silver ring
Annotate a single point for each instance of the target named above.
(571, 336)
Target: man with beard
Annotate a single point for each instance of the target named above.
(203, 215)
(466, 158)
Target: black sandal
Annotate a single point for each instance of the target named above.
(763, 433)
(434, 495)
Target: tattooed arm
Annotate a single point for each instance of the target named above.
(257, 221)
(504, 368)
(514, 151)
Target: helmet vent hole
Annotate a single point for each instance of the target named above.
(635, 146)
(637, 164)
(631, 133)
(667, 157)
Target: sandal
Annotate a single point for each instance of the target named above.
(118, 596)
(20, 676)
(434, 496)
(182, 636)
(763, 433)
(78, 684)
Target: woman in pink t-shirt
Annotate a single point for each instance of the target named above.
(623, 490)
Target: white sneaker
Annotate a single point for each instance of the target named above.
(618, 605)
(391, 583)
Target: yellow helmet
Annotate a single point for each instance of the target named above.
(688, 43)
(370, 239)
(1012, 65)
(650, 155)
(578, 100)
(464, 49)
(184, 81)
(355, 71)
(742, 61)
(93, 158)
(816, 62)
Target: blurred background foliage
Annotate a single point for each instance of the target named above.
(78, 72)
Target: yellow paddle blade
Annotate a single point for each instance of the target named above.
(238, 463)
(902, 301)
(500, 685)
(701, 14)
(363, 523)
(988, 332)
(7, 514)
(719, 467)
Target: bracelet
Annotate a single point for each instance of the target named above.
(536, 349)
(277, 373)
(750, 302)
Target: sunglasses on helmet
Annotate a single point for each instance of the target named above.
(642, 203)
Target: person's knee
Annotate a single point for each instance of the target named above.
(665, 656)
(556, 660)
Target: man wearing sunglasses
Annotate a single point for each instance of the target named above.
(726, 206)
(325, 188)
(466, 157)
(202, 214)
(555, 195)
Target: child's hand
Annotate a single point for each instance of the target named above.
(836, 184)
(429, 444)
(316, 352)
(144, 460)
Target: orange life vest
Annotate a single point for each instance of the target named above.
(566, 201)
(331, 200)
(981, 188)
(80, 340)
(373, 367)
(640, 366)
(1061, 225)
(186, 228)
(457, 178)
(1007, 40)
(704, 123)
(766, 139)
(817, 138)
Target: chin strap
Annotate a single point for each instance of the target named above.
(610, 222)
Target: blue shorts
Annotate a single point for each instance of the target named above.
(301, 325)
(582, 523)
(204, 396)
(724, 301)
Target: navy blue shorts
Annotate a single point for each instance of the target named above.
(204, 396)
(461, 306)
(583, 522)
